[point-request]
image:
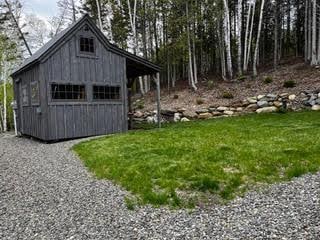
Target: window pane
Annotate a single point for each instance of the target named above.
(106, 93)
(68, 92)
(86, 44)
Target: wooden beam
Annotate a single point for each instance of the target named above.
(158, 100)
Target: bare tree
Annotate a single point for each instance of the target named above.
(17, 26)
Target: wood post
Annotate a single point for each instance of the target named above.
(158, 100)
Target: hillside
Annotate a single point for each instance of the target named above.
(224, 93)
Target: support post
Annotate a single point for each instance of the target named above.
(130, 125)
(158, 100)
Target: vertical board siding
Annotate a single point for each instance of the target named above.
(66, 120)
(31, 123)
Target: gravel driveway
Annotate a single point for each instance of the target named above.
(46, 193)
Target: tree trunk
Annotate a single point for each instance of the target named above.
(192, 83)
(314, 33)
(276, 38)
(228, 39)
(18, 27)
(246, 40)
(239, 37)
(256, 52)
(99, 14)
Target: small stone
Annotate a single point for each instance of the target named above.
(222, 109)
(267, 110)
(184, 119)
(263, 104)
(318, 95)
(239, 109)
(229, 113)
(261, 97)
(292, 97)
(316, 108)
(318, 101)
(205, 115)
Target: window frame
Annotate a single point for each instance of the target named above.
(27, 102)
(35, 102)
(66, 100)
(106, 99)
(90, 39)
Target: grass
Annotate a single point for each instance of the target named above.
(187, 163)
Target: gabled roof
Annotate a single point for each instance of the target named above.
(50, 46)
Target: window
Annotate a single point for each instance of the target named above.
(35, 98)
(86, 45)
(106, 92)
(68, 92)
(24, 95)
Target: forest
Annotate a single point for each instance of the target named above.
(190, 39)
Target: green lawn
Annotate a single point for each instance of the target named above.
(187, 163)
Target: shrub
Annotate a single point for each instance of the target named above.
(268, 80)
(227, 95)
(289, 84)
(139, 104)
(200, 101)
(242, 78)
(210, 84)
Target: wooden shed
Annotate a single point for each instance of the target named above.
(76, 85)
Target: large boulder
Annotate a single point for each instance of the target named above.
(200, 111)
(229, 113)
(252, 107)
(316, 108)
(184, 119)
(177, 117)
(138, 114)
(252, 100)
(222, 109)
(205, 115)
(292, 97)
(262, 104)
(267, 110)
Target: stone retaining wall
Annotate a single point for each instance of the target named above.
(258, 104)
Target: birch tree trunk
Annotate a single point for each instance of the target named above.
(239, 37)
(256, 52)
(4, 80)
(99, 14)
(306, 31)
(133, 17)
(74, 18)
(314, 33)
(246, 40)
(276, 37)
(250, 38)
(18, 27)
(191, 75)
(228, 38)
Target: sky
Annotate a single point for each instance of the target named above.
(44, 9)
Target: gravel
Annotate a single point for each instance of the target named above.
(46, 193)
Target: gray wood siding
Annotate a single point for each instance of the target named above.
(29, 121)
(78, 119)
